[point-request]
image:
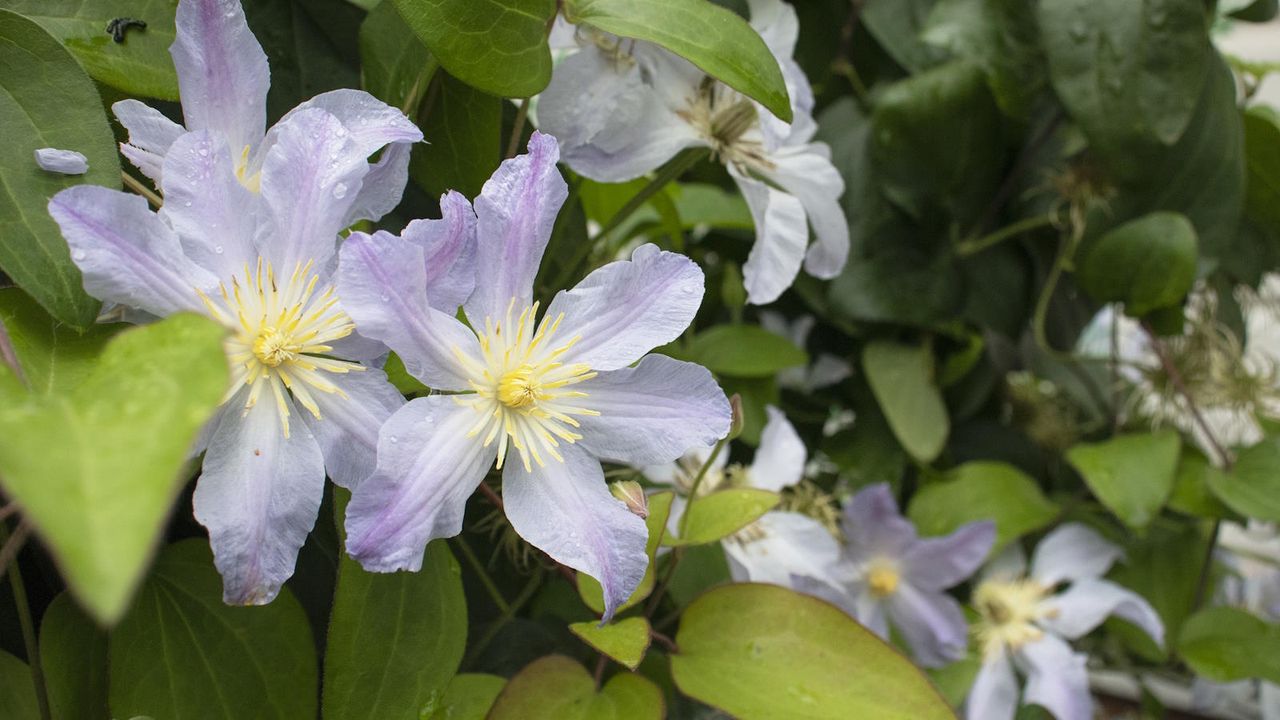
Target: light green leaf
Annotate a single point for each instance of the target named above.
(181, 654)
(718, 515)
(53, 358)
(557, 688)
(394, 64)
(700, 205)
(17, 690)
(1225, 644)
(982, 491)
(713, 38)
(902, 379)
(1147, 264)
(763, 651)
(497, 46)
(744, 351)
(73, 653)
(1252, 488)
(140, 65)
(46, 100)
(659, 510)
(96, 468)
(468, 697)
(626, 641)
(1191, 493)
(395, 639)
(1131, 474)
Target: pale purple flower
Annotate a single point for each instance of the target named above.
(781, 544)
(254, 247)
(1027, 619)
(547, 398)
(890, 576)
(64, 162)
(622, 108)
(826, 370)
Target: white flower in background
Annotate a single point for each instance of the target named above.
(781, 543)
(1026, 619)
(826, 370)
(622, 108)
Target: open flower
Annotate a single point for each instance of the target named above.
(623, 108)
(826, 370)
(546, 397)
(889, 575)
(781, 544)
(1026, 622)
(257, 255)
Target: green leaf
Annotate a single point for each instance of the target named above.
(1262, 158)
(395, 639)
(700, 205)
(1147, 264)
(1157, 568)
(497, 46)
(982, 491)
(140, 65)
(718, 515)
(1191, 493)
(626, 641)
(394, 64)
(468, 697)
(97, 468)
(46, 100)
(744, 351)
(659, 511)
(73, 653)
(557, 688)
(312, 47)
(1001, 37)
(763, 651)
(464, 130)
(181, 653)
(902, 379)
(1252, 488)
(1225, 644)
(897, 26)
(53, 357)
(1131, 474)
(17, 691)
(713, 38)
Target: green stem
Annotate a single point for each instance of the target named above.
(410, 106)
(483, 574)
(974, 246)
(697, 482)
(525, 594)
(669, 172)
(514, 143)
(28, 628)
(1065, 252)
(136, 185)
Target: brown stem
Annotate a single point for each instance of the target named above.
(664, 641)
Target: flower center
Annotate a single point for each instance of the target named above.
(279, 333)
(1009, 610)
(883, 578)
(252, 182)
(522, 389)
(725, 119)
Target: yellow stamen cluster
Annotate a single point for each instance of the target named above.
(725, 120)
(278, 335)
(883, 578)
(252, 182)
(1009, 610)
(522, 389)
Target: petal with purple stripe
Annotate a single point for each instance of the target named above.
(214, 215)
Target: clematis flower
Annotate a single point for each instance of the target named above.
(257, 255)
(623, 108)
(1026, 623)
(888, 575)
(781, 544)
(826, 370)
(546, 397)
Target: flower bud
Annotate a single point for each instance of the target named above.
(632, 495)
(739, 419)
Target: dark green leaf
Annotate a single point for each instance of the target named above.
(311, 45)
(902, 378)
(982, 491)
(1191, 493)
(17, 690)
(468, 697)
(464, 129)
(744, 351)
(73, 653)
(1147, 264)
(1225, 644)
(1160, 568)
(1262, 157)
(557, 688)
(1002, 38)
(394, 64)
(897, 25)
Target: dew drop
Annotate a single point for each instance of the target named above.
(340, 190)
(217, 249)
(187, 203)
(386, 297)
(77, 255)
(394, 439)
(204, 152)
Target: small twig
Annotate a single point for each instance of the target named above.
(525, 595)
(513, 144)
(5, 513)
(977, 245)
(494, 498)
(599, 673)
(1206, 567)
(664, 641)
(490, 495)
(478, 567)
(13, 545)
(9, 355)
(425, 76)
(136, 185)
(1175, 377)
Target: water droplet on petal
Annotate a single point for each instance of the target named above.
(340, 190)
(217, 249)
(204, 151)
(77, 255)
(386, 297)
(394, 439)
(187, 203)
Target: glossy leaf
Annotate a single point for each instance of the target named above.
(659, 511)
(744, 351)
(1262, 157)
(464, 132)
(1225, 644)
(763, 651)
(311, 46)
(17, 690)
(975, 491)
(719, 514)
(557, 688)
(394, 64)
(1147, 264)
(73, 653)
(1130, 474)
(468, 697)
(1252, 487)
(902, 378)
(1001, 37)
(625, 640)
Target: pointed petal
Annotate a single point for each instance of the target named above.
(1009, 564)
(127, 254)
(214, 215)
(932, 624)
(789, 544)
(1072, 552)
(222, 71)
(1089, 601)
(1056, 678)
(382, 283)
(383, 187)
(939, 563)
(626, 308)
(449, 248)
(371, 122)
(994, 695)
(347, 429)
(807, 174)
(150, 135)
(566, 510)
(63, 162)
(782, 232)
(779, 461)
(258, 495)
(874, 526)
(516, 211)
(427, 468)
(653, 412)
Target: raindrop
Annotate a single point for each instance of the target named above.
(77, 255)
(394, 439)
(204, 151)
(386, 297)
(340, 190)
(217, 249)
(187, 203)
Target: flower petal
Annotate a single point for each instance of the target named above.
(449, 247)
(1056, 678)
(932, 624)
(371, 122)
(782, 232)
(383, 186)
(779, 461)
(64, 162)
(994, 695)
(126, 253)
(653, 412)
(382, 284)
(347, 429)
(788, 544)
(1072, 552)
(626, 308)
(566, 510)
(258, 495)
(427, 468)
(939, 563)
(214, 215)
(874, 526)
(1089, 601)
(807, 174)
(222, 71)
(515, 213)
(150, 135)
